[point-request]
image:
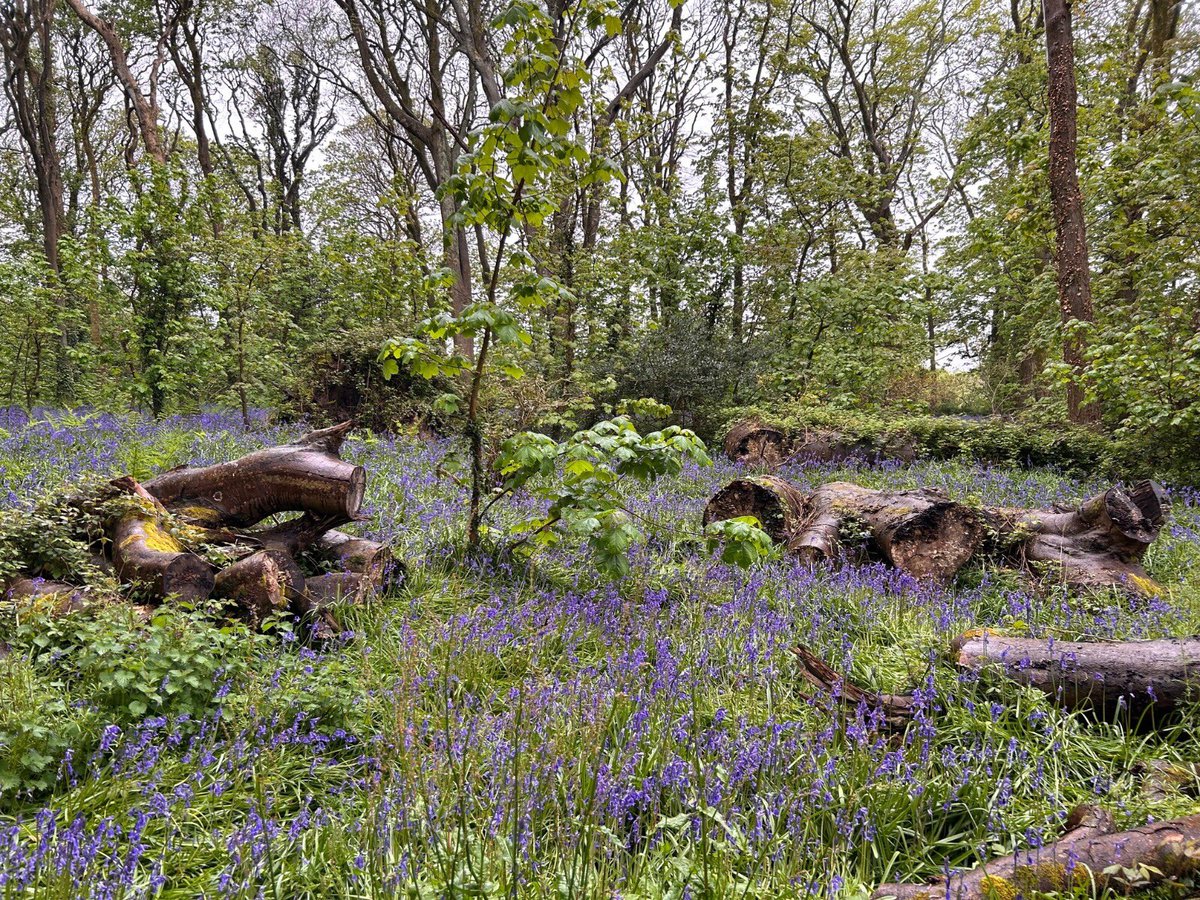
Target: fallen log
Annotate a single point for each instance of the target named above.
(777, 504)
(356, 554)
(306, 475)
(1089, 858)
(753, 443)
(1107, 677)
(322, 591)
(1102, 675)
(306, 535)
(144, 534)
(897, 709)
(63, 598)
(1098, 544)
(144, 553)
(922, 532)
(263, 584)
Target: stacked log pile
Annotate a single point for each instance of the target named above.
(302, 565)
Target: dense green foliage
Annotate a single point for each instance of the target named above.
(893, 434)
(710, 202)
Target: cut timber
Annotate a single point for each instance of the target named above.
(149, 529)
(1100, 543)
(1106, 677)
(756, 444)
(336, 587)
(262, 584)
(778, 505)
(308, 535)
(295, 536)
(1089, 858)
(365, 557)
(1102, 675)
(922, 532)
(306, 475)
(144, 552)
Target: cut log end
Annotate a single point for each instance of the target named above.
(263, 584)
(776, 504)
(756, 444)
(937, 541)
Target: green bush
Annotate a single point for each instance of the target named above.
(990, 440)
(173, 664)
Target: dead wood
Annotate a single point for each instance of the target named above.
(1098, 544)
(1102, 675)
(263, 584)
(306, 475)
(753, 443)
(1089, 858)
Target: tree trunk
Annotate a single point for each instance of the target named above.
(1110, 678)
(263, 584)
(145, 106)
(1089, 858)
(920, 532)
(336, 587)
(1106, 676)
(777, 504)
(307, 475)
(144, 553)
(1099, 544)
(1071, 253)
(754, 443)
(359, 555)
(65, 598)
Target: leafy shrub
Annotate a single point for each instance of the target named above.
(339, 378)
(174, 664)
(37, 727)
(1001, 442)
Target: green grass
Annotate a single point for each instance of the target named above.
(530, 730)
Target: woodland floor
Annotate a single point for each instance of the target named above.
(537, 732)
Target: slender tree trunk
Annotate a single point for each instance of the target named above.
(1071, 256)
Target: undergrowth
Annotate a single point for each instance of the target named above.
(522, 728)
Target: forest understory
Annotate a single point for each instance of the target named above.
(528, 727)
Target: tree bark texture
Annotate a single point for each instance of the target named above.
(1070, 230)
(1098, 544)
